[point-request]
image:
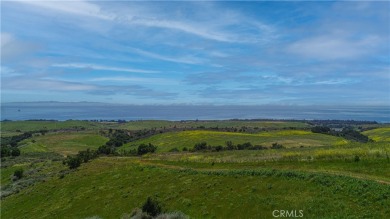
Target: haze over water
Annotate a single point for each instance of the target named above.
(98, 111)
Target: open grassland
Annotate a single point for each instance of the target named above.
(109, 187)
(14, 127)
(379, 134)
(288, 138)
(24, 126)
(323, 175)
(63, 143)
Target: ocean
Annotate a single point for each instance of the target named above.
(101, 111)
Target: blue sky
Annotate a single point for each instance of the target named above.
(244, 53)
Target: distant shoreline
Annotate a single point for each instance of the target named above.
(99, 111)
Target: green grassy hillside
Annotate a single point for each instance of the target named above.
(379, 134)
(322, 175)
(109, 187)
(9, 128)
(63, 143)
(288, 138)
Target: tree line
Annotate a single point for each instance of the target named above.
(9, 144)
(84, 156)
(229, 146)
(348, 133)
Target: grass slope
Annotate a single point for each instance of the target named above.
(64, 143)
(109, 187)
(289, 138)
(379, 134)
(9, 128)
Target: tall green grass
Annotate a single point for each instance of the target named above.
(64, 143)
(109, 187)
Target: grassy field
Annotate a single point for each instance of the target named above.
(109, 187)
(63, 143)
(328, 177)
(9, 128)
(288, 138)
(379, 134)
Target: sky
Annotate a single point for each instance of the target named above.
(202, 52)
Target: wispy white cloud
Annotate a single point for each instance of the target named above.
(216, 28)
(335, 81)
(46, 84)
(140, 80)
(186, 59)
(195, 29)
(13, 48)
(74, 8)
(102, 67)
(334, 47)
(24, 83)
(8, 72)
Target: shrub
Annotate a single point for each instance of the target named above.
(219, 148)
(200, 146)
(185, 149)
(73, 162)
(106, 149)
(18, 174)
(146, 148)
(15, 152)
(152, 207)
(357, 158)
(320, 129)
(277, 146)
(174, 150)
(230, 145)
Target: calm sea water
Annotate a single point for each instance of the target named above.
(93, 111)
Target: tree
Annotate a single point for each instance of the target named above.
(230, 145)
(200, 146)
(5, 151)
(320, 129)
(146, 148)
(73, 162)
(15, 152)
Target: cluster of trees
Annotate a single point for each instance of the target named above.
(347, 132)
(245, 129)
(82, 157)
(339, 123)
(14, 140)
(7, 151)
(120, 137)
(202, 146)
(9, 144)
(146, 148)
(351, 134)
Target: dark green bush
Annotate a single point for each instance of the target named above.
(174, 150)
(73, 162)
(146, 148)
(152, 207)
(18, 174)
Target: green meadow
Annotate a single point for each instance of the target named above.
(64, 143)
(288, 138)
(379, 134)
(322, 175)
